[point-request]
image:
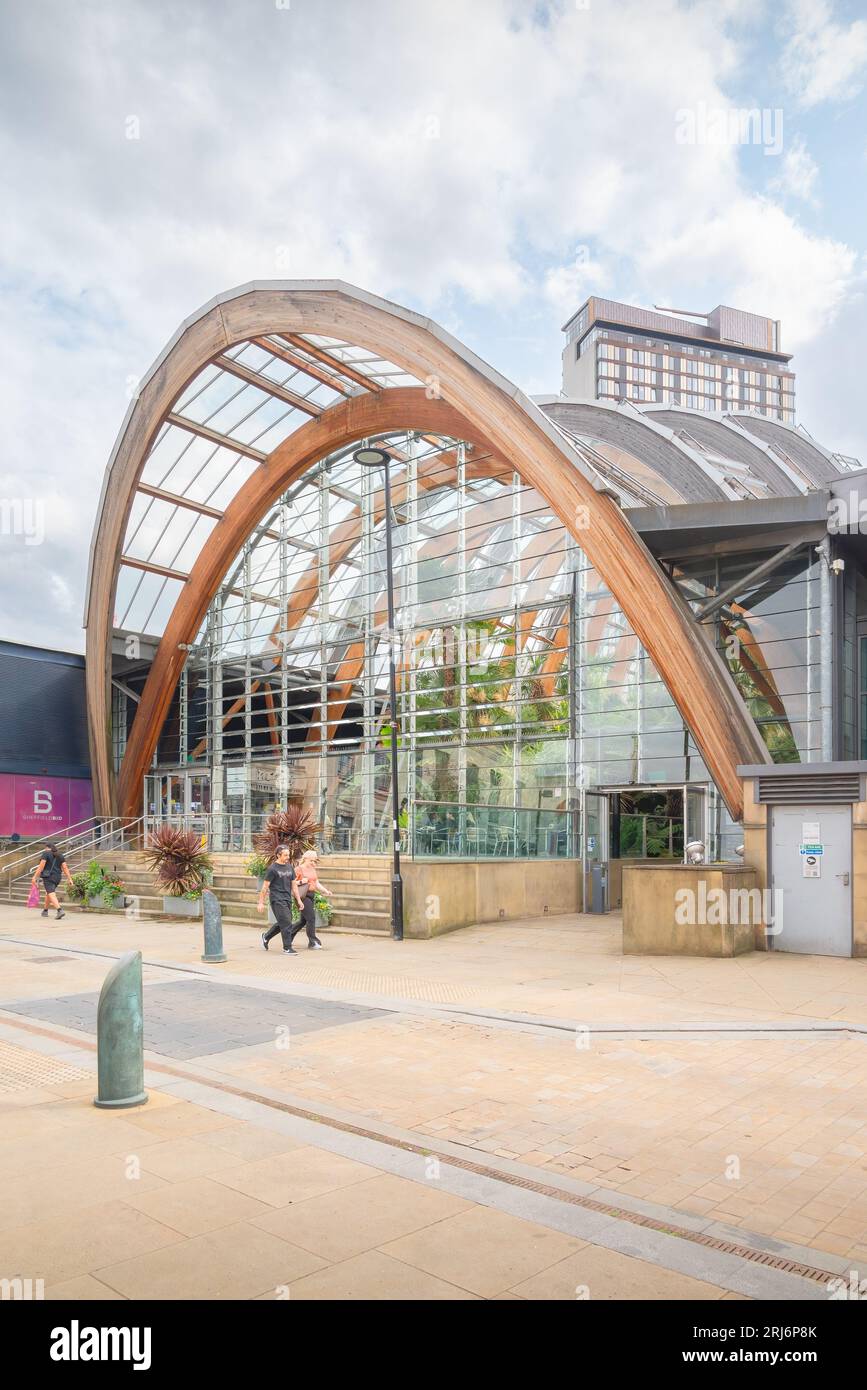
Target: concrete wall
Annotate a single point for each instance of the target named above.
(442, 895)
(615, 878)
(650, 910)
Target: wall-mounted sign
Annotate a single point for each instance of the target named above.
(812, 866)
(264, 777)
(810, 832)
(815, 849)
(36, 806)
(236, 781)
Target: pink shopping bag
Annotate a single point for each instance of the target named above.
(33, 899)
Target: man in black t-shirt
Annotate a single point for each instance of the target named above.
(281, 885)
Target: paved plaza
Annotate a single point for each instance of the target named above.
(507, 1111)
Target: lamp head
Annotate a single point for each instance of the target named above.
(371, 457)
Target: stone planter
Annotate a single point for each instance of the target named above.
(691, 909)
(182, 907)
(321, 924)
(102, 900)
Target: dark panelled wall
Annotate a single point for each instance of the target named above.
(43, 723)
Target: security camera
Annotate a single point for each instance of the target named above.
(837, 566)
(739, 851)
(695, 852)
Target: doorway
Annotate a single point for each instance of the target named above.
(594, 851)
(811, 875)
(178, 798)
(648, 822)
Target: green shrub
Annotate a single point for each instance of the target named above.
(324, 908)
(95, 882)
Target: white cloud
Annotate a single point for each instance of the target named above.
(771, 265)
(823, 60)
(453, 156)
(798, 175)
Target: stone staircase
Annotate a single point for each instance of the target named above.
(360, 887)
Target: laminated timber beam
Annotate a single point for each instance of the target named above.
(334, 363)
(264, 383)
(301, 364)
(222, 441)
(355, 418)
(472, 402)
(346, 536)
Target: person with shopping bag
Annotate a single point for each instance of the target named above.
(51, 868)
(308, 885)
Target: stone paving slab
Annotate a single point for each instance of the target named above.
(196, 1018)
(564, 966)
(321, 1232)
(651, 1120)
(768, 1136)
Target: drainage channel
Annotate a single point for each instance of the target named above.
(484, 1170)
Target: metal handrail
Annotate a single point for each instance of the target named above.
(105, 829)
(68, 841)
(87, 821)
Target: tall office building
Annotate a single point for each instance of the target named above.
(727, 360)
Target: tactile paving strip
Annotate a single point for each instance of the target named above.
(388, 986)
(24, 1071)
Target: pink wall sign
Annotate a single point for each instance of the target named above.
(42, 806)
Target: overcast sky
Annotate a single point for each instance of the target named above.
(490, 162)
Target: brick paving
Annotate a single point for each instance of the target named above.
(176, 1200)
(764, 1134)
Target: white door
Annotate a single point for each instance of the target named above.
(811, 866)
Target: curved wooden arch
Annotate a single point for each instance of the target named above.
(344, 539)
(471, 402)
(399, 408)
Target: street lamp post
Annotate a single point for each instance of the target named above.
(379, 458)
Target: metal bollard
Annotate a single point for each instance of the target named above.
(214, 953)
(119, 1036)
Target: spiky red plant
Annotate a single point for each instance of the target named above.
(178, 859)
(295, 827)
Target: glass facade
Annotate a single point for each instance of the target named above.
(521, 687)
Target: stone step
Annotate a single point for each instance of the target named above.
(370, 924)
(356, 917)
(249, 910)
(351, 919)
(241, 856)
(378, 882)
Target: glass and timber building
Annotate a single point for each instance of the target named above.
(604, 600)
